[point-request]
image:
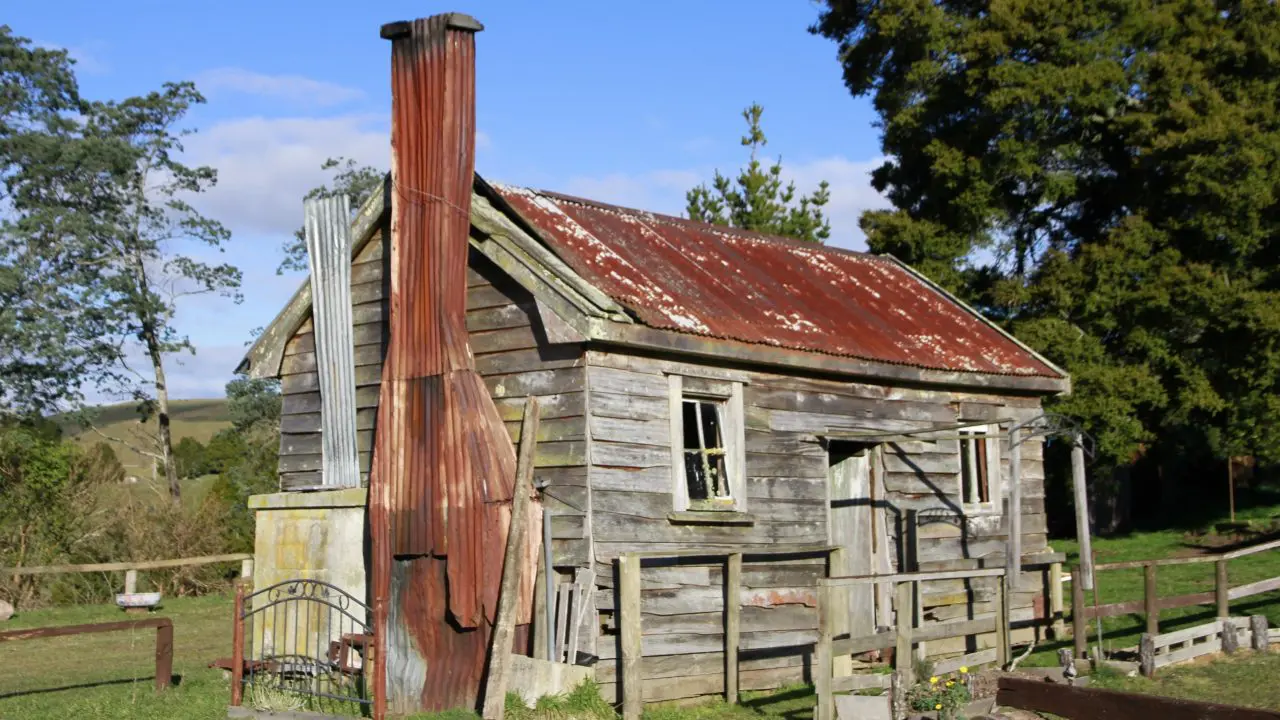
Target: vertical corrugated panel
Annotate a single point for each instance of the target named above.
(444, 465)
(328, 233)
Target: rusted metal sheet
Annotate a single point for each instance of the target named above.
(444, 465)
(727, 283)
(327, 228)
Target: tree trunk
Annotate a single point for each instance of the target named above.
(162, 415)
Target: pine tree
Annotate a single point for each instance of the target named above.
(757, 199)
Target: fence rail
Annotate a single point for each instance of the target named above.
(164, 639)
(128, 565)
(1077, 703)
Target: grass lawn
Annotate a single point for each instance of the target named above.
(109, 675)
(1246, 679)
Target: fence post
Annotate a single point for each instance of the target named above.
(1056, 611)
(823, 665)
(1150, 601)
(1261, 640)
(1220, 589)
(237, 647)
(1079, 630)
(732, 625)
(1147, 655)
(1230, 637)
(629, 630)
(902, 659)
(1002, 622)
(164, 655)
(246, 568)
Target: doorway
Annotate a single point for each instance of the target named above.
(856, 523)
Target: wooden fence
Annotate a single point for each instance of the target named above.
(630, 670)
(1226, 635)
(904, 636)
(245, 560)
(1152, 603)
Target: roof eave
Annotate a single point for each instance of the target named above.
(642, 337)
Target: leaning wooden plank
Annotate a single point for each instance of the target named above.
(982, 657)
(1075, 702)
(1190, 652)
(495, 691)
(1181, 636)
(1255, 588)
(861, 681)
(629, 629)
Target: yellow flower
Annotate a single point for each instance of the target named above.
(963, 670)
(950, 683)
(938, 706)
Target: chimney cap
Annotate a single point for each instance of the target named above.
(453, 21)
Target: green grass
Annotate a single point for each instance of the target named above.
(1245, 679)
(109, 675)
(1127, 585)
(198, 419)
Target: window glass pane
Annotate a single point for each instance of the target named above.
(966, 470)
(711, 425)
(691, 425)
(695, 476)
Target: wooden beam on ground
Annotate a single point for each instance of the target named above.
(495, 691)
(1080, 703)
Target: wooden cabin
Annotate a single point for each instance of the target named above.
(702, 389)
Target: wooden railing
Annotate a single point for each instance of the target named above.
(1077, 703)
(905, 634)
(164, 639)
(1152, 603)
(629, 626)
(127, 565)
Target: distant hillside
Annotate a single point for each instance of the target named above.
(198, 419)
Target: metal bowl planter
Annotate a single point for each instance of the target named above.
(138, 601)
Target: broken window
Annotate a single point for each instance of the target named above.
(708, 454)
(705, 470)
(980, 467)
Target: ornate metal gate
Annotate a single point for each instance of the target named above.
(302, 645)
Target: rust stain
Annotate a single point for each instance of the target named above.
(775, 597)
(444, 465)
(719, 282)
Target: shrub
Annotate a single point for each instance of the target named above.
(946, 695)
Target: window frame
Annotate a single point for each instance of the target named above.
(727, 395)
(989, 436)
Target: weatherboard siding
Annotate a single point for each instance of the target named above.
(504, 332)
(787, 495)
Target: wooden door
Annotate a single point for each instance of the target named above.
(850, 526)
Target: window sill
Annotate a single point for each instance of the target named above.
(710, 517)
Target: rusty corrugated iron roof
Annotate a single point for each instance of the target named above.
(720, 282)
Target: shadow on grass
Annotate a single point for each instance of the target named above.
(174, 681)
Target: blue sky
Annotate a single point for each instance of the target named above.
(630, 103)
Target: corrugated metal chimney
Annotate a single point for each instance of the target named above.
(444, 464)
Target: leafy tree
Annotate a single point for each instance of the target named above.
(757, 199)
(48, 491)
(189, 457)
(254, 404)
(1101, 177)
(52, 334)
(352, 179)
(138, 244)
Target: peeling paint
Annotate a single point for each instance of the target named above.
(718, 282)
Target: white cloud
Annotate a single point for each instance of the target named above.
(88, 60)
(266, 165)
(664, 191)
(203, 375)
(290, 88)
